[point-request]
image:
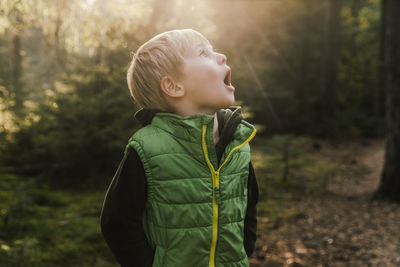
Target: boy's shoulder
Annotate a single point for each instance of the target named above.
(145, 136)
(144, 133)
(145, 117)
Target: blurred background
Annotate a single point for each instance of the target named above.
(314, 76)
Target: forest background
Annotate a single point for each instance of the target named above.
(305, 72)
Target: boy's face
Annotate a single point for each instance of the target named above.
(207, 80)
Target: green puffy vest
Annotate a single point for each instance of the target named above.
(196, 207)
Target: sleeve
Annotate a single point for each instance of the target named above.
(250, 221)
(121, 215)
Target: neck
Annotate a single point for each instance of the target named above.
(216, 132)
(187, 110)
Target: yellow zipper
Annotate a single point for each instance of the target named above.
(215, 181)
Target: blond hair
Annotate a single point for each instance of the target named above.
(161, 56)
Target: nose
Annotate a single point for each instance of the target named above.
(221, 58)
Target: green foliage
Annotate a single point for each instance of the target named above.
(287, 152)
(48, 227)
(357, 70)
(80, 132)
(279, 75)
(307, 173)
(77, 113)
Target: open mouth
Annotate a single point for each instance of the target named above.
(227, 79)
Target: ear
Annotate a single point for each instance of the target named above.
(171, 88)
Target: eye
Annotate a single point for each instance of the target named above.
(204, 53)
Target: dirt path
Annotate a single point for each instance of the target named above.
(369, 161)
(342, 228)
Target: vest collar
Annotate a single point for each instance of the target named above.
(185, 127)
(228, 118)
(189, 127)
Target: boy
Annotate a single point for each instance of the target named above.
(185, 192)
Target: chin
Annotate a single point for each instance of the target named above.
(226, 105)
(226, 102)
(231, 102)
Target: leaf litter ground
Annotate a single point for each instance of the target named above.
(340, 227)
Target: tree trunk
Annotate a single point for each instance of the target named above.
(16, 76)
(380, 89)
(328, 101)
(389, 187)
(2, 71)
